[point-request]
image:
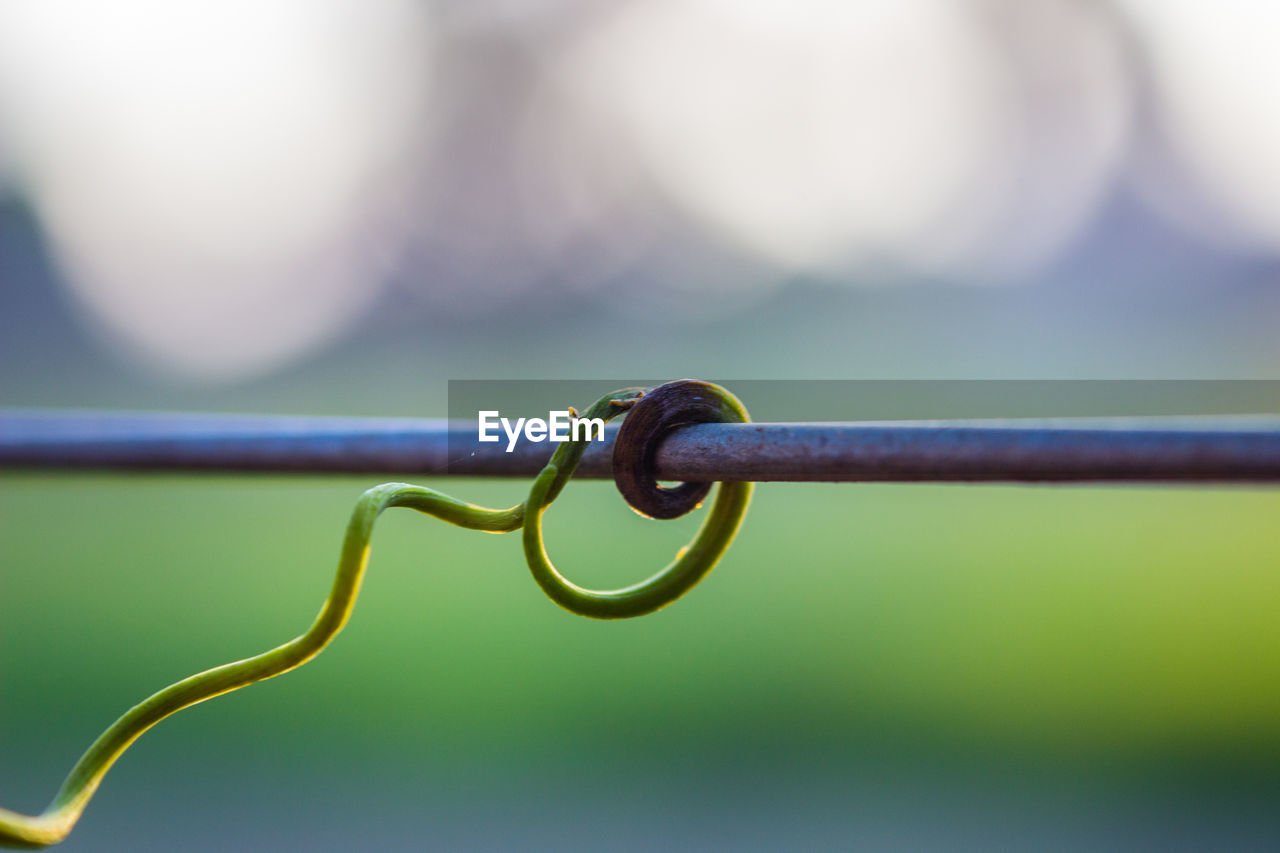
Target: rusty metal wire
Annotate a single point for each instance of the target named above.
(1244, 448)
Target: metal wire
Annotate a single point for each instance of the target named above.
(1243, 448)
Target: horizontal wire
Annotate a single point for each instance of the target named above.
(1241, 448)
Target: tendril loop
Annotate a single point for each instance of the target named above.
(686, 401)
(656, 412)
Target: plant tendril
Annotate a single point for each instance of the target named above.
(691, 565)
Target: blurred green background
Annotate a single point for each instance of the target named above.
(959, 666)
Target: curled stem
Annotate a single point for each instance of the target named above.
(56, 822)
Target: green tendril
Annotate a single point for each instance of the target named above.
(691, 565)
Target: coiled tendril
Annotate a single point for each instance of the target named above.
(658, 410)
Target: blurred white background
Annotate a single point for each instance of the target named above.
(221, 192)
